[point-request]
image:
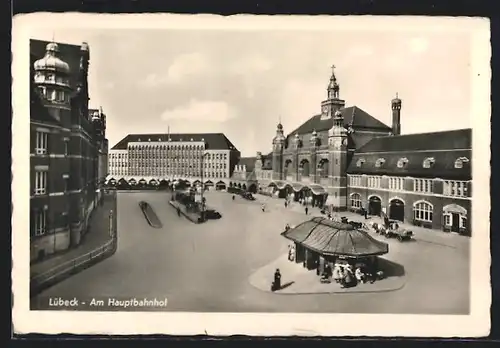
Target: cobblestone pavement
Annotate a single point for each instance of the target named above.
(205, 267)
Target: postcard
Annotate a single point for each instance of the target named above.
(251, 175)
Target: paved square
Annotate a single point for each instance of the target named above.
(206, 267)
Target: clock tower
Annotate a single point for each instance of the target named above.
(333, 101)
(337, 148)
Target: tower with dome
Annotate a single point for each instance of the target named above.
(67, 141)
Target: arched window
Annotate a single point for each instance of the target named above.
(459, 163)
(402, 162)
(360, 162)
(422, 211)
(356, 201)
(428, 162)
(380, 162)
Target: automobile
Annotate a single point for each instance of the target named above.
(211, 214)
(248, 195)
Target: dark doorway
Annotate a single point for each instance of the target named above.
(252, 188)
(455, 222)
(375, 206)
(397, 210)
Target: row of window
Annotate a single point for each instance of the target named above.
(44, 78)
(402, 162)
(54, 95)
(450, 188)
(422, 211)
(174, 155)
(179, 173)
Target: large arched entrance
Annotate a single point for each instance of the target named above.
(221, 185)
(397, 209)
(374, 205)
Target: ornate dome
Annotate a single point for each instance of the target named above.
(51, 61)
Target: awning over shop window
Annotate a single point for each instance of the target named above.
(297, 186)
(454, 208)
(317, 189)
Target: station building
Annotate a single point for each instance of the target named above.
(67, 147)
(207, 157)
(345, 159)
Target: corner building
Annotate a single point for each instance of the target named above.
(346, 159)
(66, 142)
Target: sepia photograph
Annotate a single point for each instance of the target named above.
(281, 174)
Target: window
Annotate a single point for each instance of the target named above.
(41, 143)
(380, 162)
(422, 211)
(355, 180)
(455, 188)
(428, 162)
(360, 162)
(396, 184)
(402, 162)
(40, 222)
(459, 163)
(356, 201)
(463, 222)
(40, 182)
(65, 148)
(447, 219)
(422, 185)
(374, 181)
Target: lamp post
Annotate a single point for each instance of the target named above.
(202, 183)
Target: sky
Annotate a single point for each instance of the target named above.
(241, 83)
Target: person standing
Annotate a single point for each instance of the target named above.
(286, 203)
(307, 209)
(277, 279)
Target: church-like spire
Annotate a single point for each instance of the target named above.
(333, 86)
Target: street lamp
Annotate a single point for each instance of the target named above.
(202, 183)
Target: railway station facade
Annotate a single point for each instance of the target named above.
(345, 159)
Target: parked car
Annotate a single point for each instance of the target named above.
(212, 214)
(248, 195)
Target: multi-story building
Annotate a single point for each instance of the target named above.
(64, 147)
(250, 171)
(345, 158)
(206, 157)
(424, 179)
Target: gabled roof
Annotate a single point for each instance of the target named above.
(443, 147)
(213, 141)
(249, 162)
(352, 115)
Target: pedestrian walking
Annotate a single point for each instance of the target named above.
(178, 211)
(263, 208)
(286, 203)
(307, 209)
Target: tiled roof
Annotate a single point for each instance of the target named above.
(444, 148)
(267, 161)
(68, 53)
(249, 162)
(214, 141)
(333, 238)
(353, 114)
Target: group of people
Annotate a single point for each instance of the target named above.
(348, 276)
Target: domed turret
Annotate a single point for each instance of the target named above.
(338, 125)
(51, 61)
(396, 102)
(280, 136)
(51, 78)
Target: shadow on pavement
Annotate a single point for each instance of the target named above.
(391, 268)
